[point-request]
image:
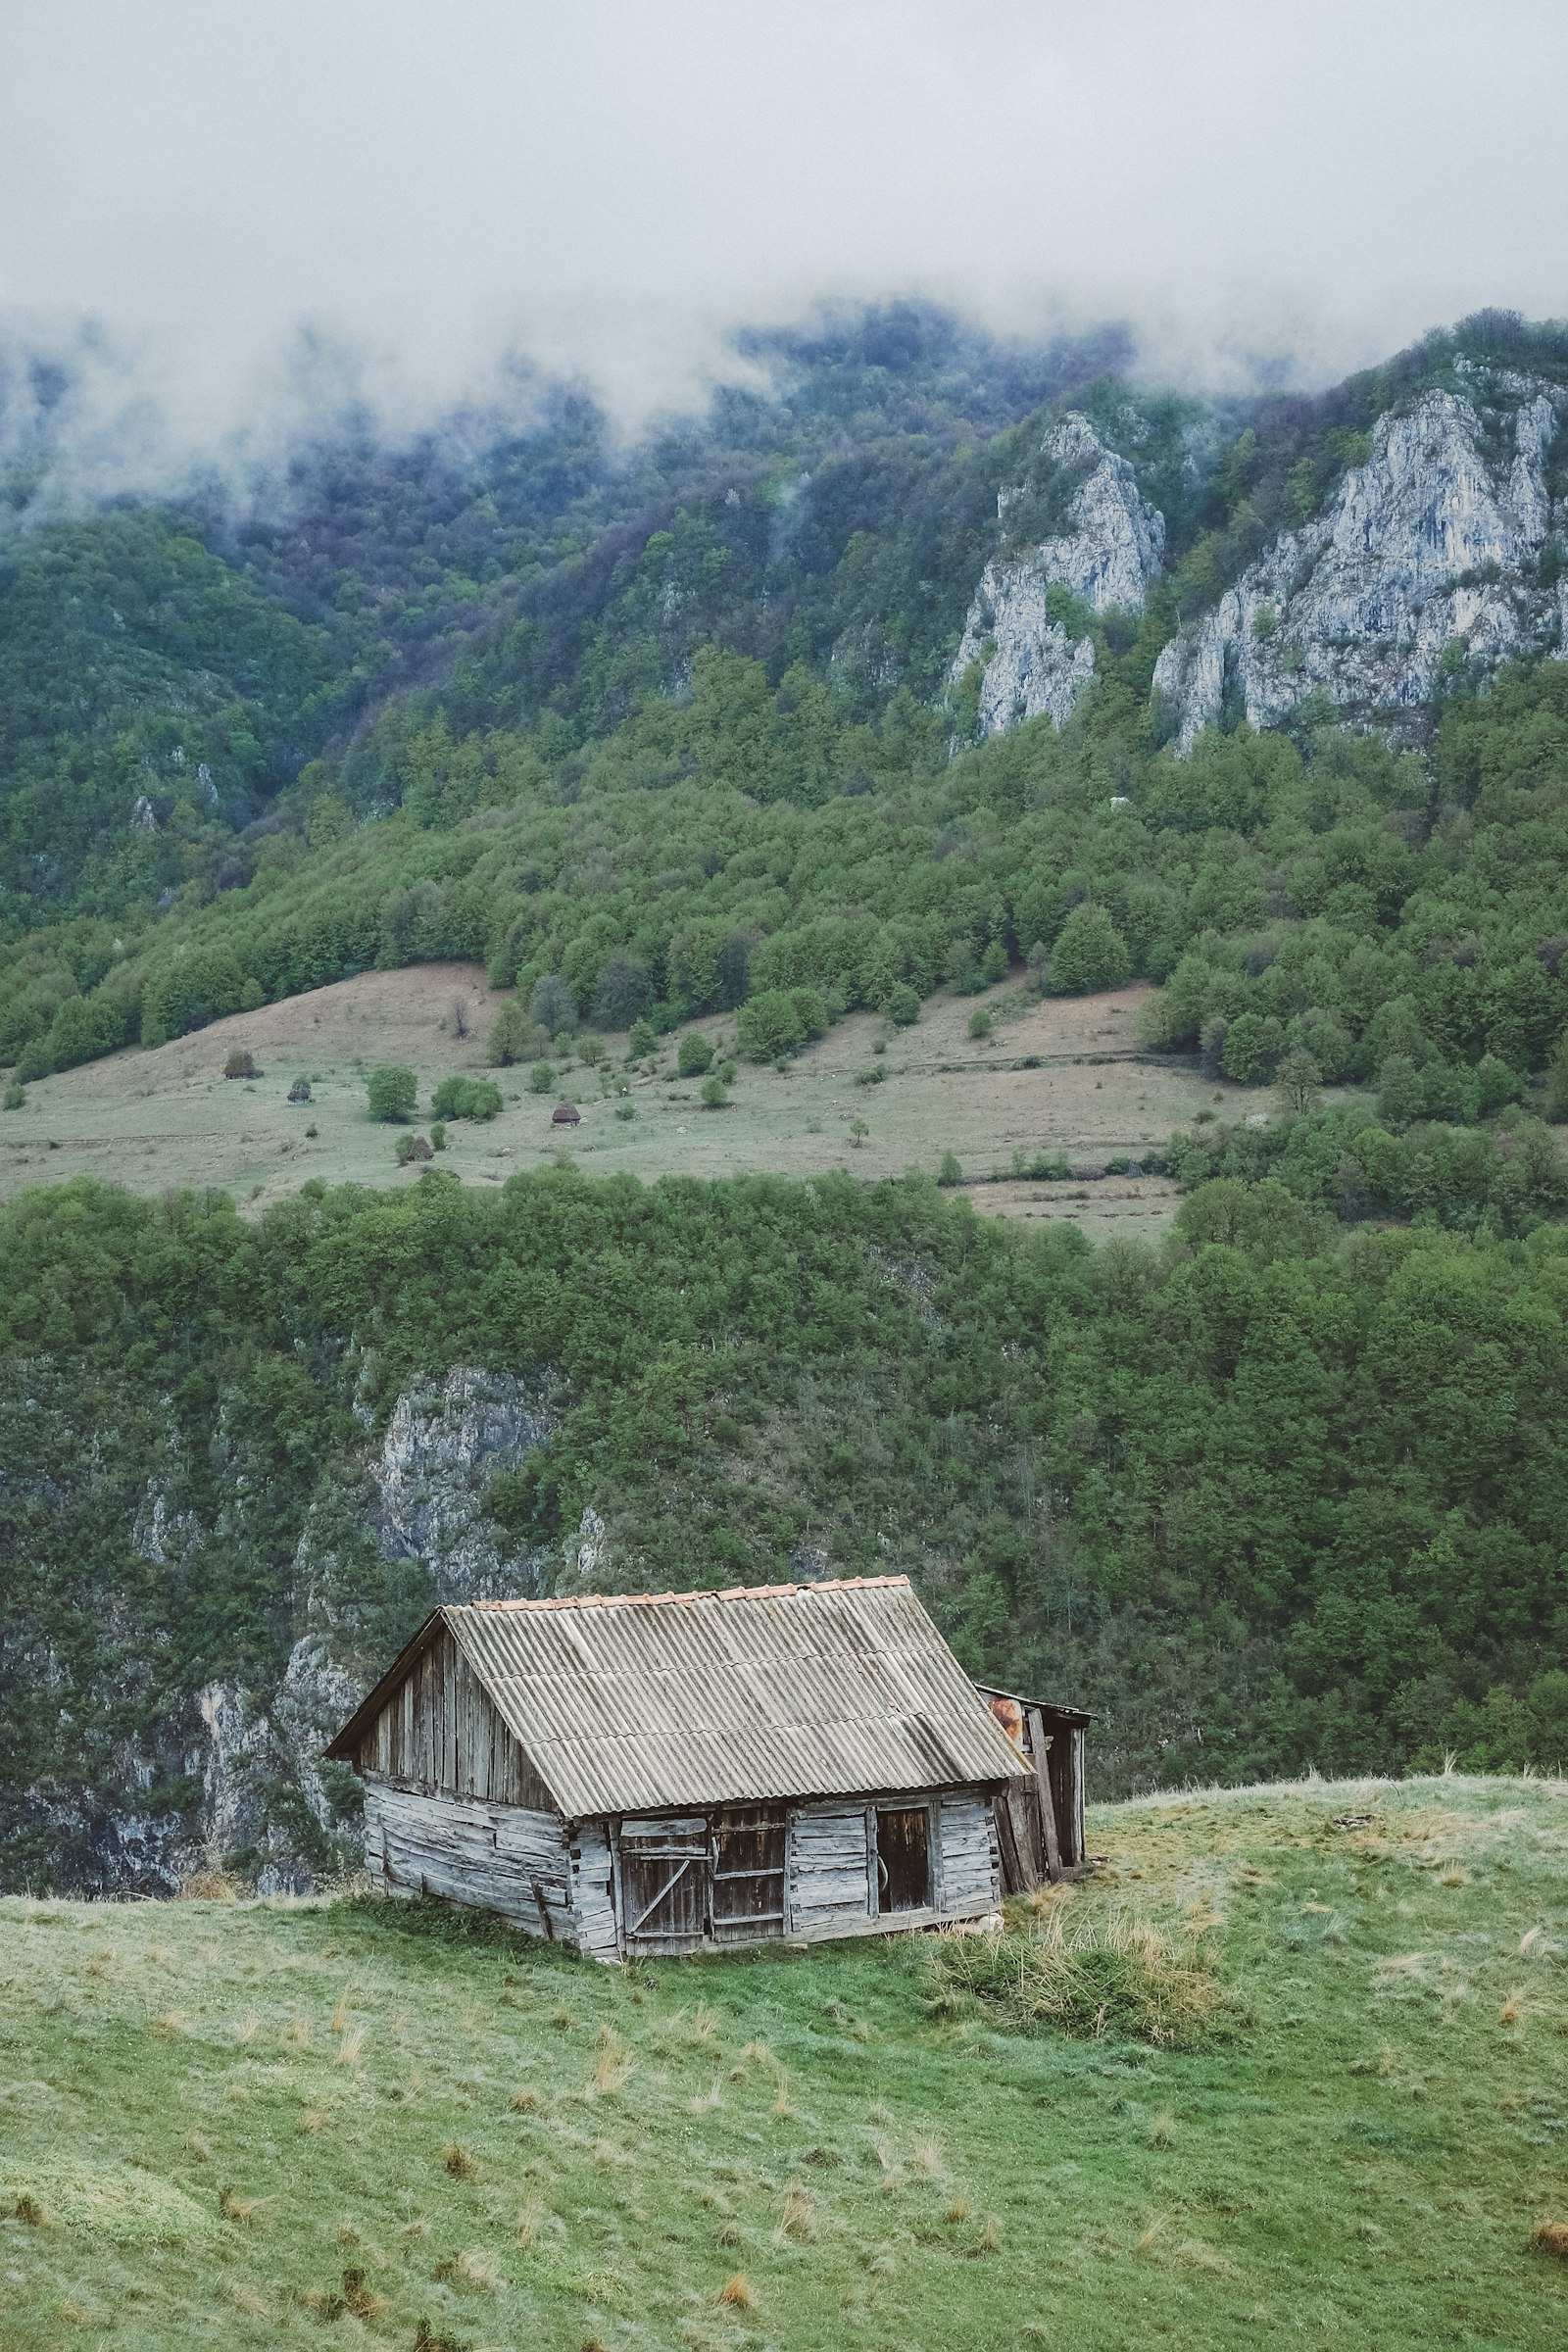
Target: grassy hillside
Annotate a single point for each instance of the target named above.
(1057, 1081)
(240, 2123)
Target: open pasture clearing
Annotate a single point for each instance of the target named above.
(339, 2120)
(169, 1116)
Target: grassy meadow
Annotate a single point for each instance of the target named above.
(1293, 2065)
(1061, 1075)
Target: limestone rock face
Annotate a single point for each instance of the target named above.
(1107, 560)
(419, 1499)
(1433, 543)
(442, 1444)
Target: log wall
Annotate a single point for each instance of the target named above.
(523, 1864)
(499, 1858)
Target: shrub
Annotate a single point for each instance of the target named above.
(950, 1172)
(438, 1137)
(871, 1077)
(1557, 1084)
(779, 1021)
(15, 1096)
(981, 1023)
(552, 1007)
(541, 1079)
(642, 1040)
(695, 1054)
(726, 1071)
(625, 1110)
(512, 1036)
(1399, 1092)
(462, 1097)
(994, 963)
(412, 1147)
(189, 990)
(715, 1094)
(240, 1064)
(1092, 1975)
(1253, 1045)
(300, 1091)
(82, 1029)
(391, 1094)
(904, 1006)
(1090, 952)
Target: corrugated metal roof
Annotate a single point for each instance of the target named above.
(631, 1704)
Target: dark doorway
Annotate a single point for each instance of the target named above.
(748, 1874)
(904, 1859)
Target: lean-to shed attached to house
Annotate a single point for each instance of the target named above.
(673, 1771)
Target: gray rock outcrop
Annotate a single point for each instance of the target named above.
(443, 1443)
(1116, 542)
(420, 1497)
(1433, 542)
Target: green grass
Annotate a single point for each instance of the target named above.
(278, 2123)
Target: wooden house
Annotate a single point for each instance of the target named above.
(671, 1772)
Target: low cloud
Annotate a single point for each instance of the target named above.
(226, 227)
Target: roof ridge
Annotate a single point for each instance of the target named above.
(616, 1600)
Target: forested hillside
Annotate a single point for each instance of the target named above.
(1269, 1498)
(674, 730)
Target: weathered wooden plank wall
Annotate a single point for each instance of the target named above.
(494, 1858)
(593, 1891)
(828, 1887)
(440, 1731)
(971, 1862)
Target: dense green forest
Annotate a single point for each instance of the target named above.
(168, 672)
(1267, 1498)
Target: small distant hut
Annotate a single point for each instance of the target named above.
(680, 1770)
(567, 1114)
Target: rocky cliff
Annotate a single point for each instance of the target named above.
(1032, 659)
(1430, 553)
(392, 1528)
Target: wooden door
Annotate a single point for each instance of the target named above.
(664, 1885)
(904, 1858)
(748, 1898)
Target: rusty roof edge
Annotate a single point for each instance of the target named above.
(1048, 1706)
(344, 1741)
(619, 1600)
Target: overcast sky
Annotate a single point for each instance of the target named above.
(612, 181)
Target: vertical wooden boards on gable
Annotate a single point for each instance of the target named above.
(440, 1731)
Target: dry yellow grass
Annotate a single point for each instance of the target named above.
(737, 2294)
(798, 2217)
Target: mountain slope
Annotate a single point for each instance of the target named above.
(1268, 1498)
